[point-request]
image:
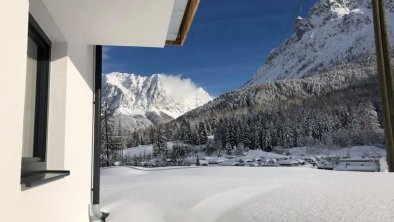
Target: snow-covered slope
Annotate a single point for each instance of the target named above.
(145, 101)
(334, 30)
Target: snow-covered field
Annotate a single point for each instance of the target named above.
(239, 194)
(139, 150)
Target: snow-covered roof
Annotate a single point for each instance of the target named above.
(287, 162)
(356, 159)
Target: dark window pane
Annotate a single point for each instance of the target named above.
(30, 98)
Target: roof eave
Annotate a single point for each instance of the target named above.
(187, 21)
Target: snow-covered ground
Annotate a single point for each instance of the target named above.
(252, 154)
(239, 194)
(139, 150)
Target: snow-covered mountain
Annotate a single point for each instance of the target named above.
(335, 30)
(142, 101)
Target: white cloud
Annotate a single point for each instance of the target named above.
(183, 89)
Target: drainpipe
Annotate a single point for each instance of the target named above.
(95, 213)
(386, 81)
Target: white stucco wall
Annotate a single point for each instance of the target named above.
(70, 117)
(13, 45)
(70, 120)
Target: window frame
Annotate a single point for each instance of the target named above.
(34, 169)
(36, 33)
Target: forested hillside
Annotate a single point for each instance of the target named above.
(339, 107)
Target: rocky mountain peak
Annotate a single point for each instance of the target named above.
(334, 30)
(151, 100)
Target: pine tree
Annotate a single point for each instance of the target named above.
(254, 139)
(202, 133)
(160, 148)
(240, 149)
(188, 136)
(220, 134)
(109, 146)
(266, 141)
(229, 148)
(178, 153)
(210, 147)
(208, 127)
(231, 135)
(245, 136)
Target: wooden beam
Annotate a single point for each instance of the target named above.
(386, 81)
(187, 21)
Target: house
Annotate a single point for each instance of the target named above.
(363, 164)
(326, 165)
(204, 163)
(50, 72)
(301, 161)
(229, 162)
(269, 163)
(288, 163)
(310, 160)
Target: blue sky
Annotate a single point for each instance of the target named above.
(228, 41)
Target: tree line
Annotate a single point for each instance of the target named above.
(335, 107)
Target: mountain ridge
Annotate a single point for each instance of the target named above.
(143, 101)
(334, 30)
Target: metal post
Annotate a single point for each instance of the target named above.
(383, 54)
(97, 126)
(95, 213)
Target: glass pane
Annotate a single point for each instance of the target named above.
(30, 97)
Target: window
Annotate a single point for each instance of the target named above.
(36, 100)
(34, 170)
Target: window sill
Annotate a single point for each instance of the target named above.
(33, 179)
